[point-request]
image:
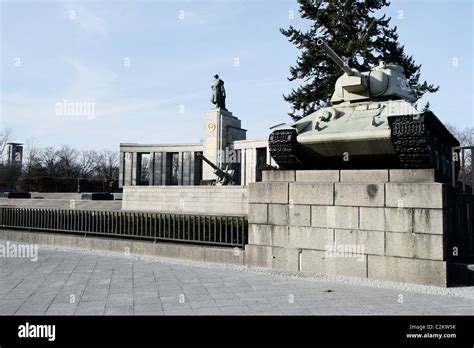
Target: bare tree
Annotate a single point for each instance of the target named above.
(86, 163)
(5, 136)
(107, 165)
(67, 157)
(49, 160)
(32, 156)
(52, 168)
(466, 138)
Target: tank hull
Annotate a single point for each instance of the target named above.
(365, 137)
(363, 143)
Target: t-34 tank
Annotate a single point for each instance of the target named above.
(371, 123)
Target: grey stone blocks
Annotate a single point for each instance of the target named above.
(187, 199)
(268, 192)
(415, 195)
(278, 175)
(365, 195)
(381, 224)
(318, 176)
(386, 219)
(322, 262)
(400, 269)
(412, 175)
(312, 193)
(334, 216)
(300, 215)
(364, 176)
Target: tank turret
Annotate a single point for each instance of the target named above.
(384, 82)
(371, 123)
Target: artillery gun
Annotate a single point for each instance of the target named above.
(223, 176)
(371, 123)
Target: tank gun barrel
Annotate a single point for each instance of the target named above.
(333, 55)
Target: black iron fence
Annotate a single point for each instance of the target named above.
(464, 155)
(463, 158)
(229, 231)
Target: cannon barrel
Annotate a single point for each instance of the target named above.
(208, 162)
(338, 60)
(225, 177)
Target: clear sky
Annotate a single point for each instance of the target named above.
(147, 65)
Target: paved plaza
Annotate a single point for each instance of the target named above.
(75, 282)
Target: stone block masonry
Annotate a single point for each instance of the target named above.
(381, 224)
(396, 225)
(226, 200)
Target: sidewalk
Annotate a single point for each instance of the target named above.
(74, 282)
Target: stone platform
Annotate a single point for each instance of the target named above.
(395, 225)
(227, 200)
(61, 204)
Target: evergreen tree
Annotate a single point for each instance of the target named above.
(351, 28)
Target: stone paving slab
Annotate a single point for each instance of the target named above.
(78, 282)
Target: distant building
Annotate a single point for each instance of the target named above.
(224, 144)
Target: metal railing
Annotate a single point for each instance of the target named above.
(229, 231)
(466, 163)
(464, 203)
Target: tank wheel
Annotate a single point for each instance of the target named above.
(422, 141)
(284, 148)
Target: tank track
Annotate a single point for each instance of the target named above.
(422, 141)
(284, 148)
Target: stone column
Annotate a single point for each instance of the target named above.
(186, 169)
(191, 168)
(121, 162)
(164, 168)
(151, 169)
(128, 169)
(269, 158)
(243, 156)
(197, 169)
(180, 168)
(250, 164)
(220, 129)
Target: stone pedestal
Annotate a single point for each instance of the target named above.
(394, 225)
(221, 128)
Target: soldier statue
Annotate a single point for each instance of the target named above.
(218, 92)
